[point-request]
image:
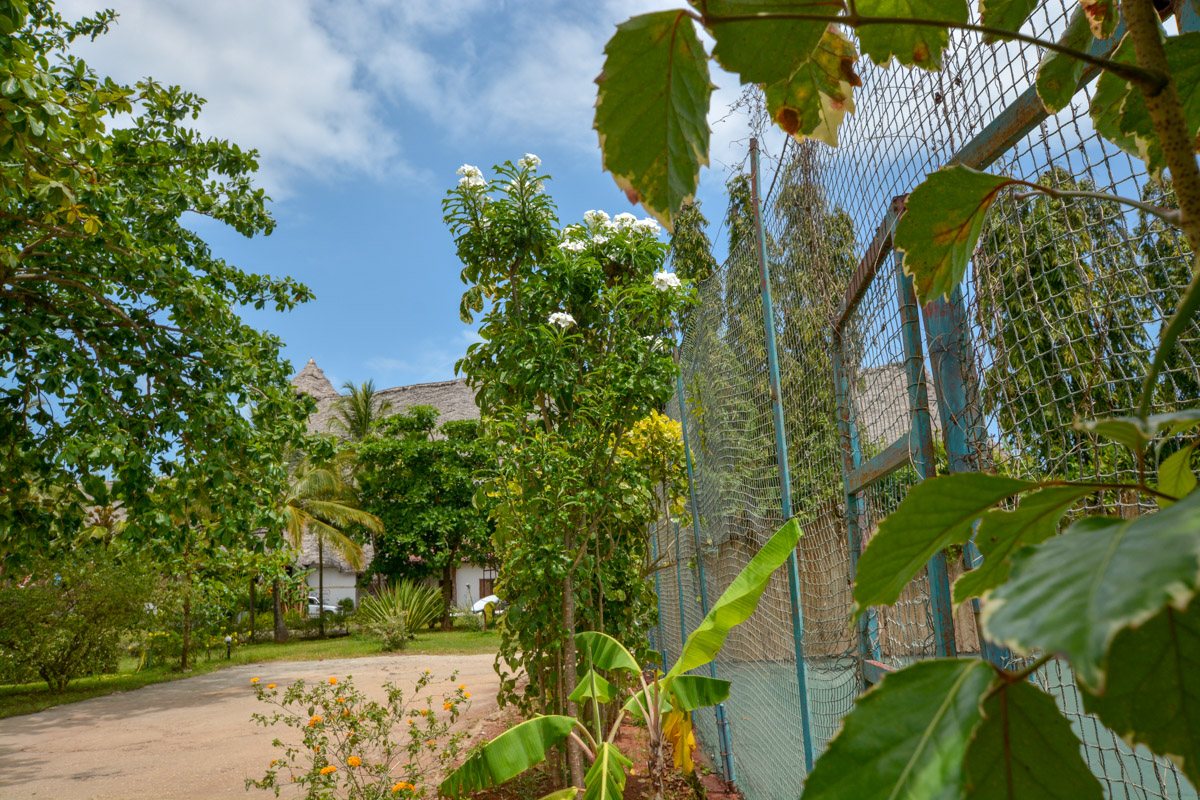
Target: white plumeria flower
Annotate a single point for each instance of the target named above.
(470, 171)
(599, 240)
(572, 246)
(595, 217)
(648, 226)
(530, 160)
(624, 220)
(562, 319)
(664, 281)
(472, 181)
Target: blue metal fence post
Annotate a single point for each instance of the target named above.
(941, 608)
(726, 741)
(679, 588)
(785, 480)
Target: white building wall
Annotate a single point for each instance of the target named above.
(338, 585)
(466, 584)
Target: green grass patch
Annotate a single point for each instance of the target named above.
(30, 697)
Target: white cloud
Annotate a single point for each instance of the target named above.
(275, 79)
(425, 361)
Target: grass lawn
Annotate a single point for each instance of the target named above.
(30, 697)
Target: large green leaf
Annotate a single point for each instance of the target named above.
(1136, 433)
(1025, 748)
(1072, 593)
(911, 45)
(1007, 14)
(689, 692)
(593, 685)
(936, 513)
(651, 111)
(758, 51)
(1175, 476)
(508, 755)
(1001, 533)
(569, 793)
(1119, 109)
(813, 100)
(941, 227)
(605, 779)
(738, 602)
(1152, 695)
(906, 737)
(606, 652)
(1059, 74)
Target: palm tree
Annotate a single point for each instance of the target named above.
(321, 502)
(358, 411)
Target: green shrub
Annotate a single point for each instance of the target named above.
(65, 619)
(396, 612)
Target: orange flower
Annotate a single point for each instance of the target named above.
(424, 712)
(254, 680)
(270, 686)
(329, 770)
(353, 761)
(430, 743)
(410, 722)
(341, 699)
(274, 761)
(447, 706)
(467, 695)
(401, 786)
(333, 681)
(464, 688)
(346, 713)
(316, 719)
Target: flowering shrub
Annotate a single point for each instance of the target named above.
(353, 748)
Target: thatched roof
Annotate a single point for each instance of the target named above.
(881, 404)
(454, 399)
(308, 555)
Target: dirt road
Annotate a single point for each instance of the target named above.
(190, 739)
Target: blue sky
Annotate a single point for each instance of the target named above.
(362, 111)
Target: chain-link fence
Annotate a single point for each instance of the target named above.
(1057, 319)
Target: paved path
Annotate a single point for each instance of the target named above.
(190, 739)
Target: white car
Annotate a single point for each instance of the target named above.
(315, 606)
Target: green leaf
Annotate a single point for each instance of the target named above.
(1119, 110)
(1136, 433)
(1102, 16)
(605, 779)
(508, 755)
(689, 692)
(757, 51)
(651, 111)
(906, 737)
(1007, 14)
(738, 602)
(941, 227)
(1001, 533)
(593, 685)
(911, 45)
(1072, 593)
(1152, 696)
(936, 513)
(813, 100)
(1025, 748)
(569, 793)
(606, 652)
(1059, 74)
(1175, 476)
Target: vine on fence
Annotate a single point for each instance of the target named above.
(1112, 596)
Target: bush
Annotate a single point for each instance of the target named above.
(358, 749)
(396, 612)
(65, 620)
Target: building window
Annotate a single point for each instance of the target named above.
(486, 583)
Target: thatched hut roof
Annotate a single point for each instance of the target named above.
(307, 558)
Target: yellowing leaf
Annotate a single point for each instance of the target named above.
(1059, 74)
(813, 100)
(651, 111)
(941, 227)
(911, 45)
(677, 727)
(1102, 16)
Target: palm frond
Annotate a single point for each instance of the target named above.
(340, 515)
(339, 542)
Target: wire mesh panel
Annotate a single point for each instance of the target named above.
(1058, 319)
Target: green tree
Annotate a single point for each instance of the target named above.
(122, 354)
(358, 412)
(419, 479)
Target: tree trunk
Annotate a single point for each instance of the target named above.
(281, 631)
(447, 595)
(187, 627)
(321, 585)
(253, 609)
(574, 755)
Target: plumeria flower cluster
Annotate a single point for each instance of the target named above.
(530, 161)
(472, 177)
(562, 319)
(666, 281)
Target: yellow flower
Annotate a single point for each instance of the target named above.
(467, 695)
(254, 680)
(333, 681)
(316, 718)
(426, 672)
(464, 688)
(270, 686)
(329, 770)
(341, 699)
(447, 706)
(353, 761)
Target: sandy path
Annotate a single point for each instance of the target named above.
(190, 739)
